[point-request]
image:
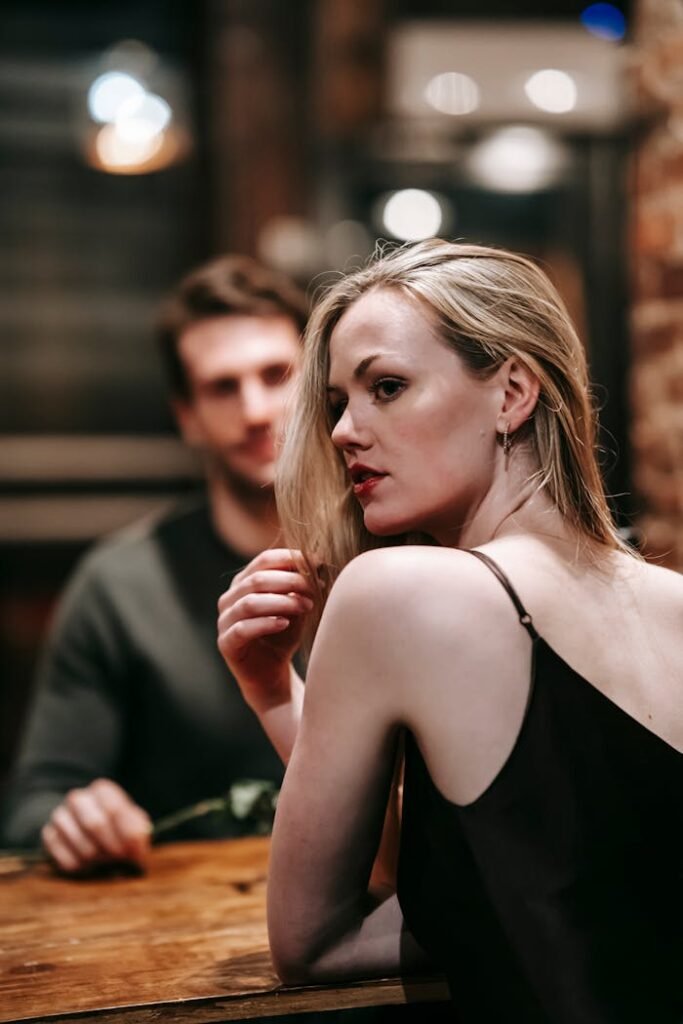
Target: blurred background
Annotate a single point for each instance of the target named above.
(138, 138)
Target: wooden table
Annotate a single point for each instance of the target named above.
(184, 944)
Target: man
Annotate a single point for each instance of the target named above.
(135, 713)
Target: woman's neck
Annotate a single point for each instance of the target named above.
(513, 504)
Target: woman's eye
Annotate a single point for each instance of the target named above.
(387, 388)
(336, 410)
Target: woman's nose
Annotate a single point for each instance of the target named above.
(347, 432)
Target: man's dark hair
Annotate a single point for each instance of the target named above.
(226, 285)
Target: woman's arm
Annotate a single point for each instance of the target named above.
(280, 721)
(323, 923)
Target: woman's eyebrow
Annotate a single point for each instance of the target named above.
(364, 364)
(359, 370)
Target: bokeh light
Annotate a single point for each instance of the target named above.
(140, 118)
(412, 214)
(552, 90)
(604, 21)
(109, 92)
(453, 93)
(516, 159)
(118, 153)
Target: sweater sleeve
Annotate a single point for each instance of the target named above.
(74, 731)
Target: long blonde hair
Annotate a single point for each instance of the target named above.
(489, 305)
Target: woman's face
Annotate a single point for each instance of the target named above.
(417, 430)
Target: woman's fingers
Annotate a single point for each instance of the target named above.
(263, 582)
(254, 605)
(258, 616)
(243, 633)
(275, 558)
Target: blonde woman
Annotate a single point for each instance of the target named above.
(439, 470)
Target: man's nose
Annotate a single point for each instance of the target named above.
(257, 402)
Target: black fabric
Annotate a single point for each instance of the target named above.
(132, 686)
(556, 897)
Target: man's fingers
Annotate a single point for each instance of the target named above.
(58, 850)
(95, 825)
(71, 833)
(111, 820)
(131, 825)
(95, 821)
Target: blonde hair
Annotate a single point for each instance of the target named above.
(489, 305)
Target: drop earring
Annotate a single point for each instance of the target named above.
(507, 443)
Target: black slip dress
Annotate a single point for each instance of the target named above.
(556, 897)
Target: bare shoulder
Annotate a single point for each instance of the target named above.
(398, 577)
(432, 595)
(661, 590)
(668, 581)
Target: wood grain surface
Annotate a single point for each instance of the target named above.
(185, 943)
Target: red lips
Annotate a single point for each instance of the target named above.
(364, 478)
(358, 472)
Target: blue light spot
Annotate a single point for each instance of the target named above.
(605, 21)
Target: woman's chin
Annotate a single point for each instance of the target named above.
(387, 526)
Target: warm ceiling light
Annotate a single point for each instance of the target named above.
(452, 93)
(551, 90)
(119, 154)
(412, 215)
(109, 92)
(141, 118)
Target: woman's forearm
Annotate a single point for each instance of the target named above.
(280, 721)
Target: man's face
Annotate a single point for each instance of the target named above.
(239, 370)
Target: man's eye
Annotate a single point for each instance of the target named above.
(276, 374)
(387, 388)
(223, 388)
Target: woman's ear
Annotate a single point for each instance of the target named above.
(520, 395)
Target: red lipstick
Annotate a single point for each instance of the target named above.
(364, 478)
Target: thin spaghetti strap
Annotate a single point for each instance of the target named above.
(524, 616)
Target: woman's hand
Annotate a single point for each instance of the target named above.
(260, 621)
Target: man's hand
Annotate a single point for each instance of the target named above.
(99, 824)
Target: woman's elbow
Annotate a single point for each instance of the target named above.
(293, 964)
(292, 973)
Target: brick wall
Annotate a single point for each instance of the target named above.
(657, 278)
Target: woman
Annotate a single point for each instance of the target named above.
(442, 450)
